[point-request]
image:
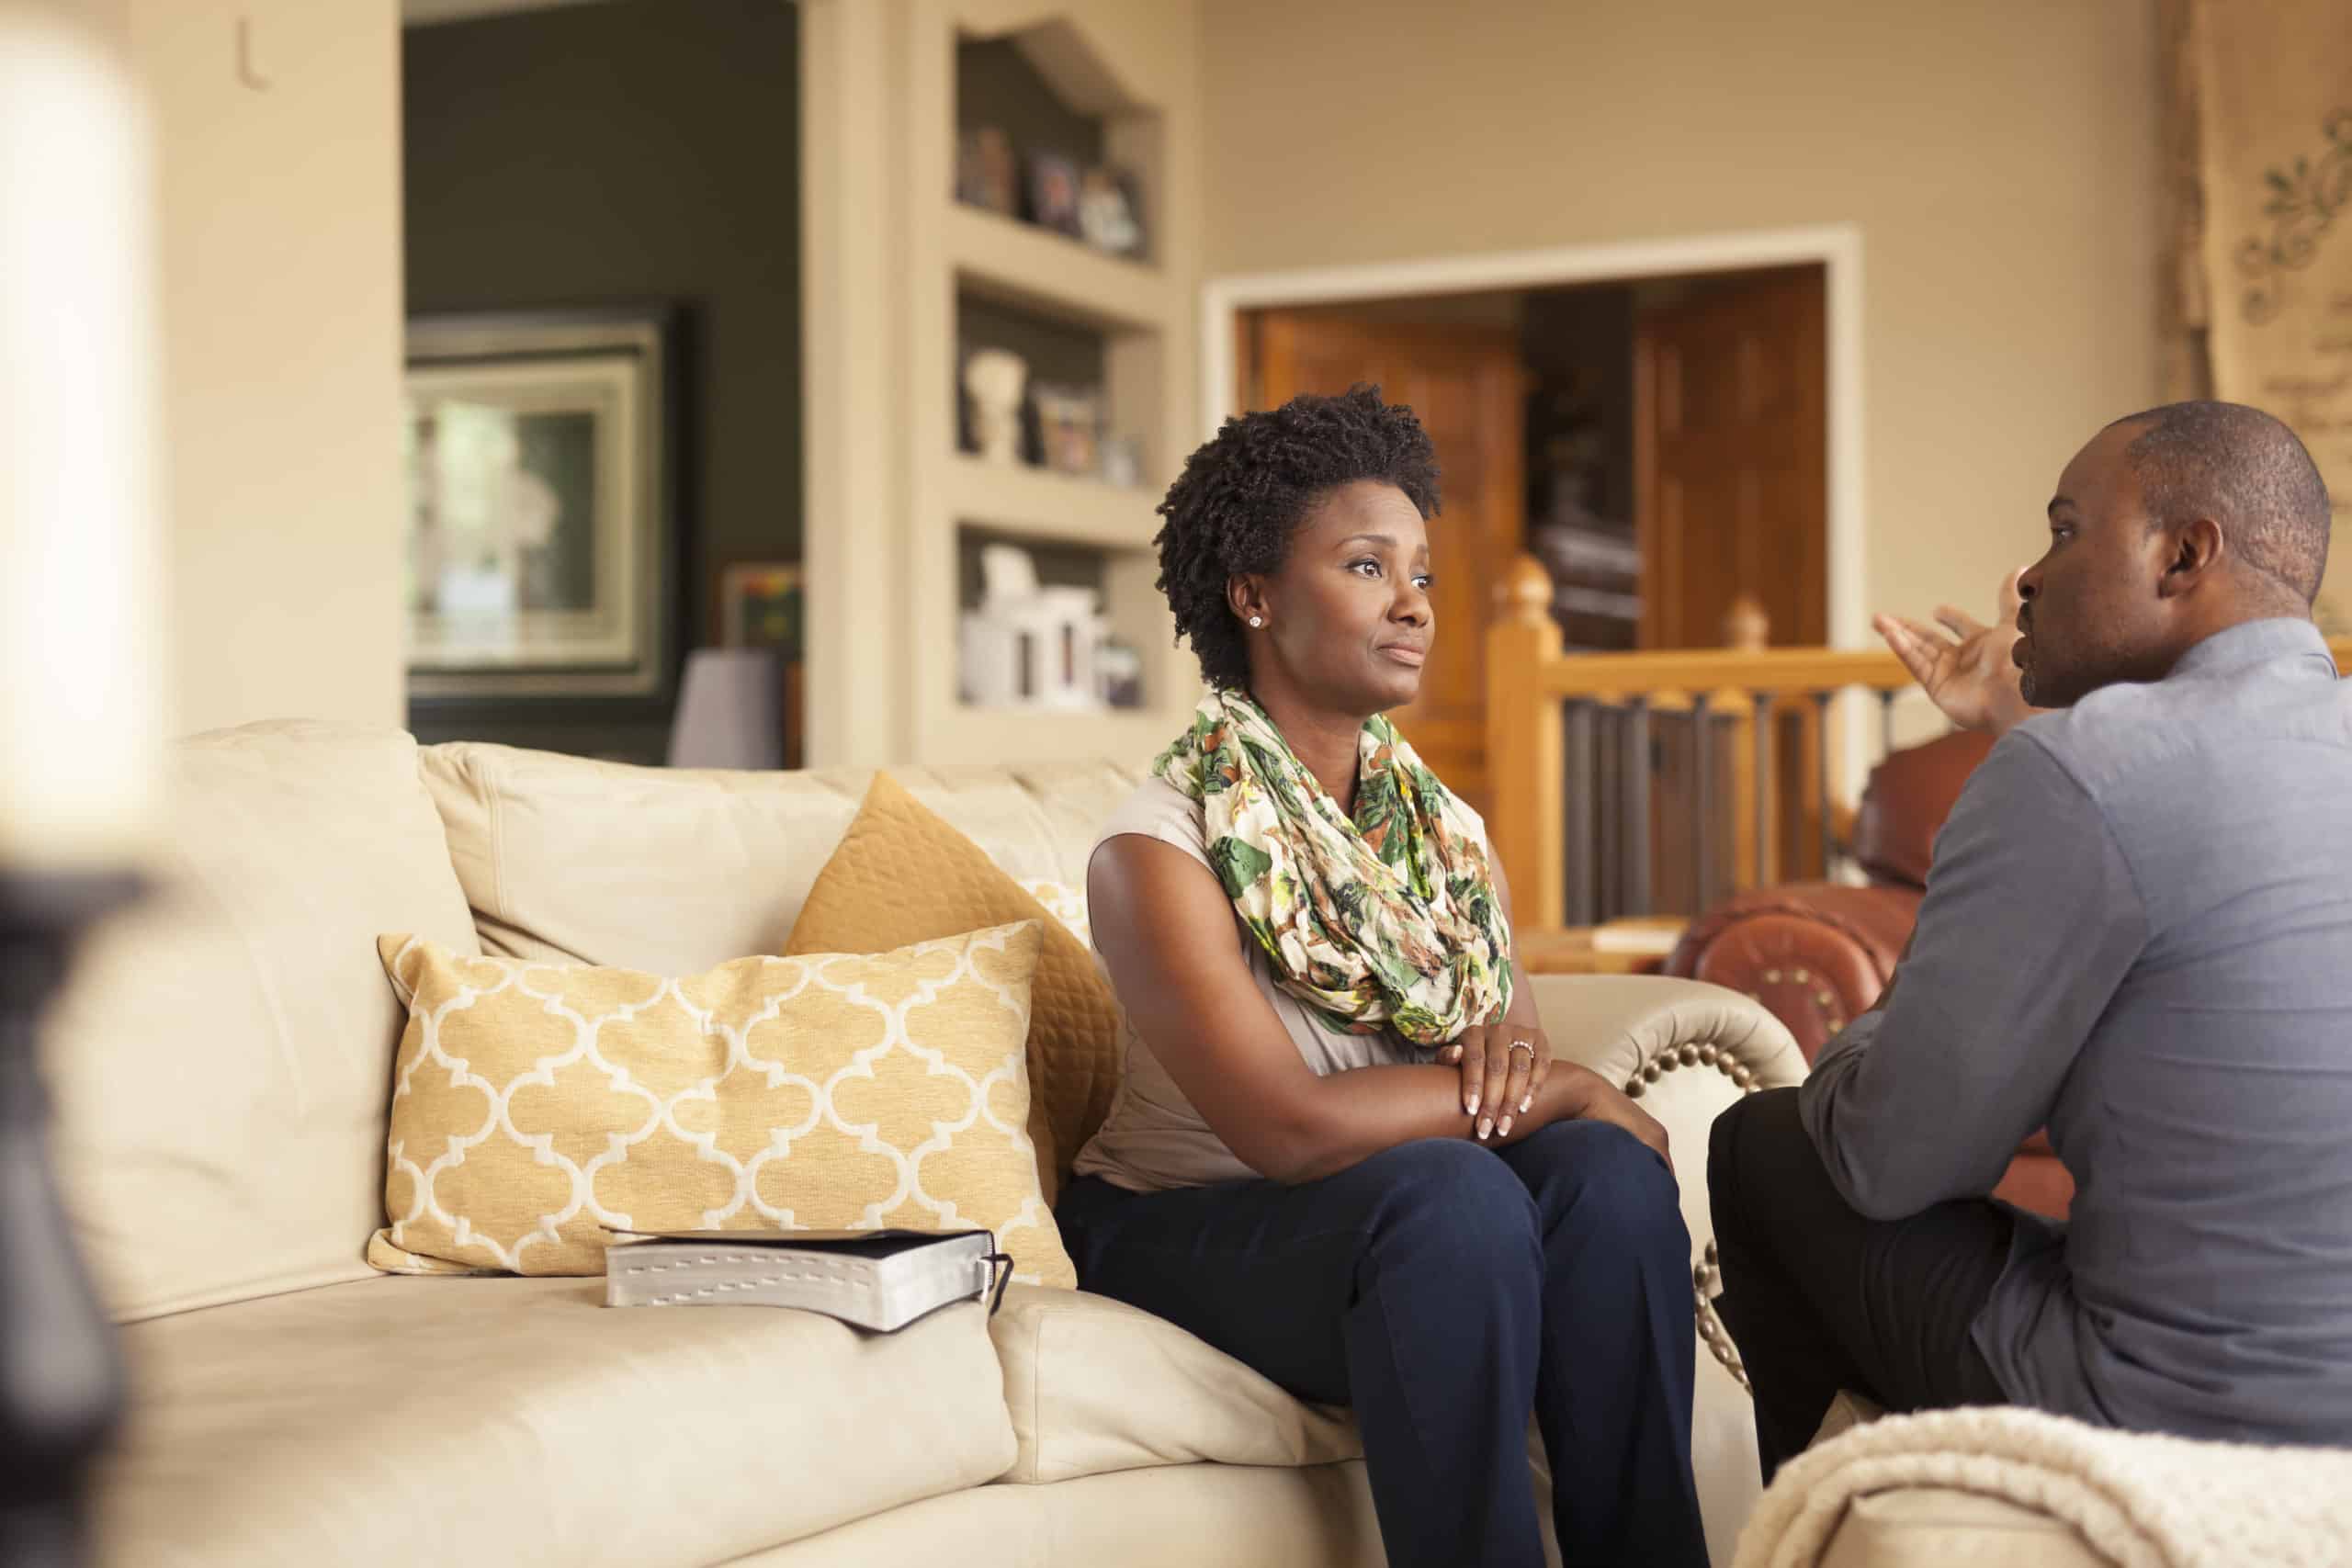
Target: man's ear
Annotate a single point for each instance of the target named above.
(2193, 551)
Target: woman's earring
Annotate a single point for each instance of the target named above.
(1255, 621)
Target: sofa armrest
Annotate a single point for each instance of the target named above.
(1816, 954)
(1632, 1029)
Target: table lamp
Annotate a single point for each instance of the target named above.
(79, 722)
(730, 710)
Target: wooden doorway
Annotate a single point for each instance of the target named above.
(1463, 382)
(1731, 459)
(1710, 393)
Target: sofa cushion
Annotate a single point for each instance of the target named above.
(536, 1104)
(520, 1422)
(1095, 1385)
(1938, 1526)
(717, 863)
(222, 1059)
(902, 874)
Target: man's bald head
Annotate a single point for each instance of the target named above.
(2244, 470)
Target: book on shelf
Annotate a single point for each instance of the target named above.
(879, 1280)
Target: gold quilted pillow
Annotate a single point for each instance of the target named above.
(534, 1104)
(901, 874)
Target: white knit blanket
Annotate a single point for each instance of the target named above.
(2137, 1500)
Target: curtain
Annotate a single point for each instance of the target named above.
(2259, 300)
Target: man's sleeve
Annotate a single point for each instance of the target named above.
(2030, 922)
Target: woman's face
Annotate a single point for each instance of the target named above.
(1348, 618)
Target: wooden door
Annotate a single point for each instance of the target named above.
(1465, 382)
(1731, 459)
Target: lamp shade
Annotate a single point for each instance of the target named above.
(80, 720)
(730, 713)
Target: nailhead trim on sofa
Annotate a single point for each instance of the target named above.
(1706, 1274)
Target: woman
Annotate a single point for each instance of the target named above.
(1341, 1151)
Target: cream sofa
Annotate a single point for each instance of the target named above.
(221, 1070)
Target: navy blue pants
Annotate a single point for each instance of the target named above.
(1445, 1290)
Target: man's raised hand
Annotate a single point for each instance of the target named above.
(1968, 674)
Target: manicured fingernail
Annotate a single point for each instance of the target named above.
(1503, 1126)
(1486, 1125)
(1473, 1105)
(1528, 1103)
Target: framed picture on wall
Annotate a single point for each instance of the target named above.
(542, 515)
(759, 606)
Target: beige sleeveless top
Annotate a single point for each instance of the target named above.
(1153, 1138)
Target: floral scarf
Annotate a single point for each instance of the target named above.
(1387, 919)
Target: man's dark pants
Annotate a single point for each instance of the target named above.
(1820, 1299)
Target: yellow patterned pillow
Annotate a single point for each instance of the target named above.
(902, 874)
(1065, 903)
(534, 1104)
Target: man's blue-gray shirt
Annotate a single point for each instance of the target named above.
(2138, 932)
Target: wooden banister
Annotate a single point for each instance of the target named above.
(1531, 677)
(1523, 762)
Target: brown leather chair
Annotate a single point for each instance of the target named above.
(1817, 953)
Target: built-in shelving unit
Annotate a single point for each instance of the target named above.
(904, 278)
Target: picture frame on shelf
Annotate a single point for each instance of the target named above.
(1053, 190)
(542, 515)
(760, 606)
(1069, 423)
(1110, 213)
(988, 175)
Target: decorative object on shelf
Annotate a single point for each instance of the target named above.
(1119, 669)
(1108, 213)
(994, 381)
(1122, 461)
(1070, 420)
(759, 606)
(1054, 192)
(79, 726)
(541, 504)
(730, 710)
(986, 174)
(1029, 646)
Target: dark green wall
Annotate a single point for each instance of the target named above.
(636, 150)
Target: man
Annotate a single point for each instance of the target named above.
(2137, 934)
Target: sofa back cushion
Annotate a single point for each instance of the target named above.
(222, 1060)
(675, 870)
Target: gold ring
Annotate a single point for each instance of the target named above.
(1523, 1045)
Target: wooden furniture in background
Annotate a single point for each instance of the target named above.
(1557, 813)
(898, 267)
(1550, 820)
(1463, 382)
(1617, 947)
(1731, 458)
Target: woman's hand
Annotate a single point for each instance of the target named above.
(1603, 1102)
(1503, 1067)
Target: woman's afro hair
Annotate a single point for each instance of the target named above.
(1243, 494)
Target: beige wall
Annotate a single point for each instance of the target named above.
(1999, 159)
(281, 268)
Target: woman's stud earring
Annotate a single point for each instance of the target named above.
(1255, 621)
